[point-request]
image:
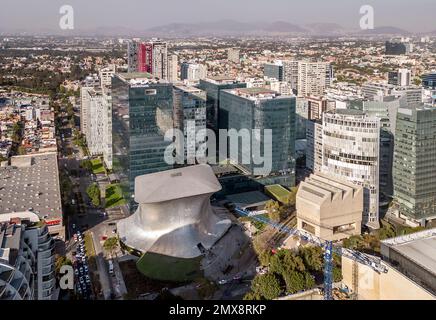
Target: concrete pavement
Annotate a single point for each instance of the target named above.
(102, 269)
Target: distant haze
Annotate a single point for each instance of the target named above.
(43, 15)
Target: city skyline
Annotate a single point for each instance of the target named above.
(133, 15)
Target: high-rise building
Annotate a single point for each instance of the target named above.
(190, 117)
(317, 105)
(85, 104)
(106, 74)
(385, 109)
(142, 109)
(314, 145)
(192, 71)
(306, 77)
(273, 70)
(301, 117)
(160, 59)
(132, 56)
(402, 77)
(429, 81)
(376, 91)
(27, 268)
(260, 108)
(414, 168)
(173, 67)
(350, 150)
(213, 87)
(395, 48)
(150, 57)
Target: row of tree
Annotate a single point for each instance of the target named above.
(290, 271)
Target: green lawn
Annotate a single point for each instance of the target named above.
(97, 166)
(278, 192)
(114, 196)
(89, 245)
(168, 268)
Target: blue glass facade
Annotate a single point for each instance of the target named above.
(141, 114)
(276, 113)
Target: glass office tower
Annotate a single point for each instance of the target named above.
(213, 87)
(260, 108)
(414, 162)
(142, 111)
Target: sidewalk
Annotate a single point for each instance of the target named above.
(102, 270)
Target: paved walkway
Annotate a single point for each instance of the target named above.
(102, 269)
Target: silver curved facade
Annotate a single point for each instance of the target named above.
(174, 216)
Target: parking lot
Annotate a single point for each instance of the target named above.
(81, 269)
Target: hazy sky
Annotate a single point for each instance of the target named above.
(34, 15)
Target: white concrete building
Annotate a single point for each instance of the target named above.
(97, 117)
(105, 75)
(329, 208)
(193, 71)
(314, 145)
(307, 77)
(350, 150)
(173, 68)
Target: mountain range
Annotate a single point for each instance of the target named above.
(235, 28)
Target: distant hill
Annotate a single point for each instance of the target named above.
(388, 30)
(282, 26)
(325, 28)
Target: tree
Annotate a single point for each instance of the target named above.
(312, 257)
(111, 244)
(273, 209)
(252, 296)
(86, 164)
(292, 196)
(61, 261)
(267, 286)
(295, 282)
(285, 262)
(261, 242)
(337, 274)
(93, 192)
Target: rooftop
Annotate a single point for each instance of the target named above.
(248, 199)
(31, 182)
(320, 188)
(139, 78)
(254, 93)
(176, 184)
(419, 247)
